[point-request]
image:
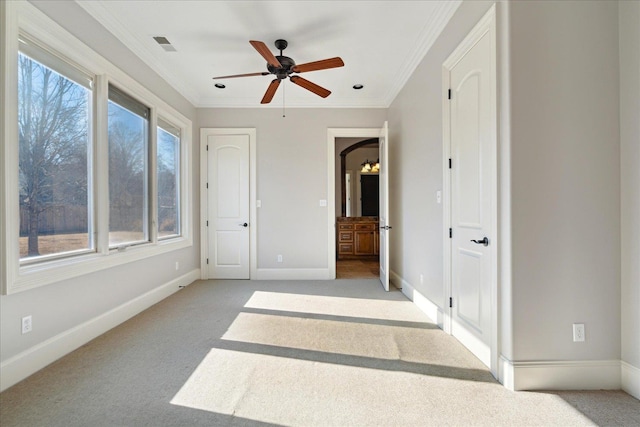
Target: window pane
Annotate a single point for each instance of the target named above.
(128, 183)
(168, 180)
(54, 117)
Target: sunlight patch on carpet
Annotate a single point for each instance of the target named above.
(403, 310)
(355, 339)
(289, 391)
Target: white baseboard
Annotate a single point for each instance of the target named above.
(432, 311)
(30, 361)
(560, 375)
(292, 274)
(630, 379)
(544, 375)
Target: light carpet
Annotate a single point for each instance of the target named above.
(311, 353)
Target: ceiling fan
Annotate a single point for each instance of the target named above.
(283, 66)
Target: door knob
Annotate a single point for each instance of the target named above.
(244, 225)
(484, 241)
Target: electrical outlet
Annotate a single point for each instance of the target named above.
(421, 279)
(27, 324)
(279, 258)
(177, 265)
(578, 332)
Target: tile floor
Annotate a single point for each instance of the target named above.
(357, 269)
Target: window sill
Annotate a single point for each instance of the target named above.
(44, 273)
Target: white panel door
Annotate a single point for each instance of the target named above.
(228, 182)
(383, 177)
(472, 134)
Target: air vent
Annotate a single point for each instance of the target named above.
(164, 43)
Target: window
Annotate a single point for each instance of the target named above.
(168, 175)
(128, 170)
(54, 139)
(91, 160)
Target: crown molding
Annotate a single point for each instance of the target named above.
(210, 102)
(430, 33)
(101, 14)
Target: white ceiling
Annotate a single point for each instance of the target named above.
(381, 43)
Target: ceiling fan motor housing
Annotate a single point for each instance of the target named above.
(286, 69)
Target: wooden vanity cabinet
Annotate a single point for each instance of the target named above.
(345, 239)
(357, 237)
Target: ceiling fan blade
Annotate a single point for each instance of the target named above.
(319, 65)
(271, 90)
(264, 73)
(266, 53)
(312, 87)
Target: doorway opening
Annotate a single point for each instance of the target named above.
(358, 237)
(357, 244)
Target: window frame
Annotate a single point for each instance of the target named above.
(156, 227)
(40, 54)
(127, 102)
(20, 17)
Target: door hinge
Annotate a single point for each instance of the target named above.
(449, 94)
(451, 233)
(207, 223)
(207, 260)
(450, 302)
(450, 163)
(207, 148)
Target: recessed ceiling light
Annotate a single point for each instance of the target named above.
(358, 87)
(219, 85)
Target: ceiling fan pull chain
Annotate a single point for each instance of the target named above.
(283, 99)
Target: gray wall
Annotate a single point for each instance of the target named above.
(563, 166)
(415, 153)
(59, 307)
(565, 179)
(292, 176)
(630, 153)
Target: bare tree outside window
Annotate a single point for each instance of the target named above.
(53, 125)
(168, 185)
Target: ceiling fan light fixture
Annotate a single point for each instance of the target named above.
(358, 86)
(220, 86)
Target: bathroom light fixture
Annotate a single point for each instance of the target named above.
(368, 166)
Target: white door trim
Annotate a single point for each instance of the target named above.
(332, 134)
(204, 199)
(487, 23)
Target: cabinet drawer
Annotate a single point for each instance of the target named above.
(345, 236)
(345, 248)
(345, 226)
(365, 227)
